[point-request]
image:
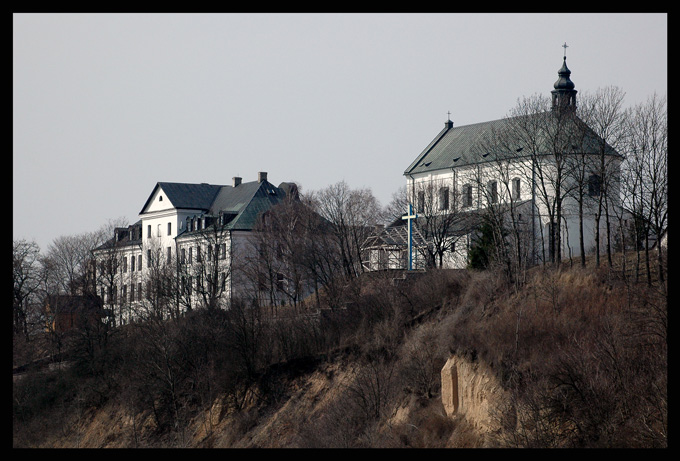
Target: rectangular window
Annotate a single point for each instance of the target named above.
(123, 296)
(594, 185)
(132, 292)
(158, 230)
(444, 198)
(169, 253)
(139, 291)
(191, 254)
(124, 263)
(132, 263)
(515, 189)
(184, 255)
(148, 258)
(421, 201)
(223, 251)
(169, 228)
(467, 195)
(148, 233)
(493, 192)
(139, 262)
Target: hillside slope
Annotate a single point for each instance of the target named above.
(580, 356)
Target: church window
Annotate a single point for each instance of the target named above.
(467, 195)
(421, 201)
(169, 253)
(594, 185)
(139, 262)
(169, 228)
(148, 258)
(160, 198)
(493, 191)
(148, 233)
(444, 198)
(516, 188)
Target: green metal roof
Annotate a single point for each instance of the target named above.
(468, 144)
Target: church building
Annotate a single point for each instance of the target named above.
(541, 173)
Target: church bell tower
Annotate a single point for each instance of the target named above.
(564, 94)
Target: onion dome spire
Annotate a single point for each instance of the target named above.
(564, 94)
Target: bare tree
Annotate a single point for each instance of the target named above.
(542, 140)
(603, 116)
(647, 167)
(440, 219)
(505, 192)
(27, 277)
(353, 213)
(203, 264)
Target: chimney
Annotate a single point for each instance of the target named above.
(261, 176)
(236, 180)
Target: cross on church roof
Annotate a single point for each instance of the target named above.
(565, 46)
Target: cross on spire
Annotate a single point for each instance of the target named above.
(449, 114)
(565, 46)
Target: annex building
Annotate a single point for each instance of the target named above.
(187, 250)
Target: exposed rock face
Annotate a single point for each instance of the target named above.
(472, 390)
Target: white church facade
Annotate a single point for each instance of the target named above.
(531, 170)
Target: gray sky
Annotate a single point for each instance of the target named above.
(107, 105)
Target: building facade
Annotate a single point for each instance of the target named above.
(190, 248)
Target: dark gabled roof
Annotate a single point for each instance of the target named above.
(241, 205)
(465, 145)
(191, 196)
(246, 201)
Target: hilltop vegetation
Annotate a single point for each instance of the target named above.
(581, 352)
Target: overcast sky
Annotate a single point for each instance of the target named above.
(107, 105)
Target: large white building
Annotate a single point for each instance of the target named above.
(189, 248)
(534, 170)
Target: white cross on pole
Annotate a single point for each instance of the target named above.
(410, 217)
